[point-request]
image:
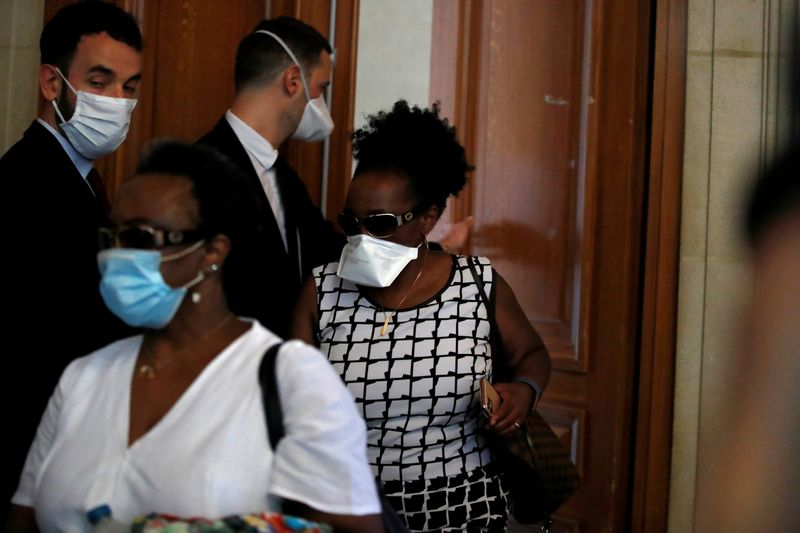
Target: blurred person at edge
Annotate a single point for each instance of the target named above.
(282, 71)
(172, 421)
(54, 204)
(757, 479)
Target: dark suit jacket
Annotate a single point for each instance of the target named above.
(311, 239)
(55, 313)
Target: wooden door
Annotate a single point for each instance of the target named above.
(550, 98)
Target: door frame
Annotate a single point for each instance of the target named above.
(656, 382)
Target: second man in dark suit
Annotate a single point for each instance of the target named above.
(282, 71)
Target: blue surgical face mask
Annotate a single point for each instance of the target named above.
(133, 289)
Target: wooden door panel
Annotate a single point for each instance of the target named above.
(525, 204)
(193, 71)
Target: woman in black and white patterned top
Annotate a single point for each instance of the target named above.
(407, 330)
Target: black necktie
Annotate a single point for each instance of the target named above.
(98, 189)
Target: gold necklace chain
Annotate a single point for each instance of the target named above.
(148, 370)
(388, 317)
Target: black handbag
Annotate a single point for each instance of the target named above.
(537, 468)
(392, 523)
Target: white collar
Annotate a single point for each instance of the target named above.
(257, 146)
(83, 165)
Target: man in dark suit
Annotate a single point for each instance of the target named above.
(54, 206)
(282, 71)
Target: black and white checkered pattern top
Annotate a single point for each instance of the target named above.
(417, 386)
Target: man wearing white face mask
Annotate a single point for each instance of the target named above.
(282, 71)
(55, 205)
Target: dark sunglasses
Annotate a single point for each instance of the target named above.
(144, 237)
(379, 225)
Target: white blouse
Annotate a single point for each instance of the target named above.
(209, 455)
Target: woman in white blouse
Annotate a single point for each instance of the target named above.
(172, 421)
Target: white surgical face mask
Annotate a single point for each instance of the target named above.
(99, 124)
(373, 262)
(316, 123)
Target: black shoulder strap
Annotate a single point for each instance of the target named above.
(498, 364)
(269, 392)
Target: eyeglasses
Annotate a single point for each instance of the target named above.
(379, 225)
(144, 237)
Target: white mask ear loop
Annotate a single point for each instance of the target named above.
(292, 57)
(200, 275)
(71, 88)
(182, 253)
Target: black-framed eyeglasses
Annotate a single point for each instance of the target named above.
(378, 225)
(144, 237)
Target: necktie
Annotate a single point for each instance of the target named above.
(272, 191)
(98, 189)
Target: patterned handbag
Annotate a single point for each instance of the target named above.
(537, 468)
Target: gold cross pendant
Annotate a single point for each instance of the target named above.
(385, 324)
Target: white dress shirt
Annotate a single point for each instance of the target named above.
(83, 165)
(262, 156)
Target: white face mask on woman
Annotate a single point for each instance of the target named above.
(316, 123)
(373, 262)
(98, 125)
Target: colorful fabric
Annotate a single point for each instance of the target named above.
(251, 523)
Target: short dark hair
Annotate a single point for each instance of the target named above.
(226, 206)
(418, 144)
(774, 196)
(63, 32)
(259, 58)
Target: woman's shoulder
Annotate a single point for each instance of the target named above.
(326, 279)
(325, 269)
(298, 356)
(293, 356)
(482, 261)
(482, 265)
(104, 363)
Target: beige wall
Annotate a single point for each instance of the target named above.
(394, 54)
(733, 126)
(20, 26)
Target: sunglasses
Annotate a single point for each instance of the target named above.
(144, 237)
(379, 225)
